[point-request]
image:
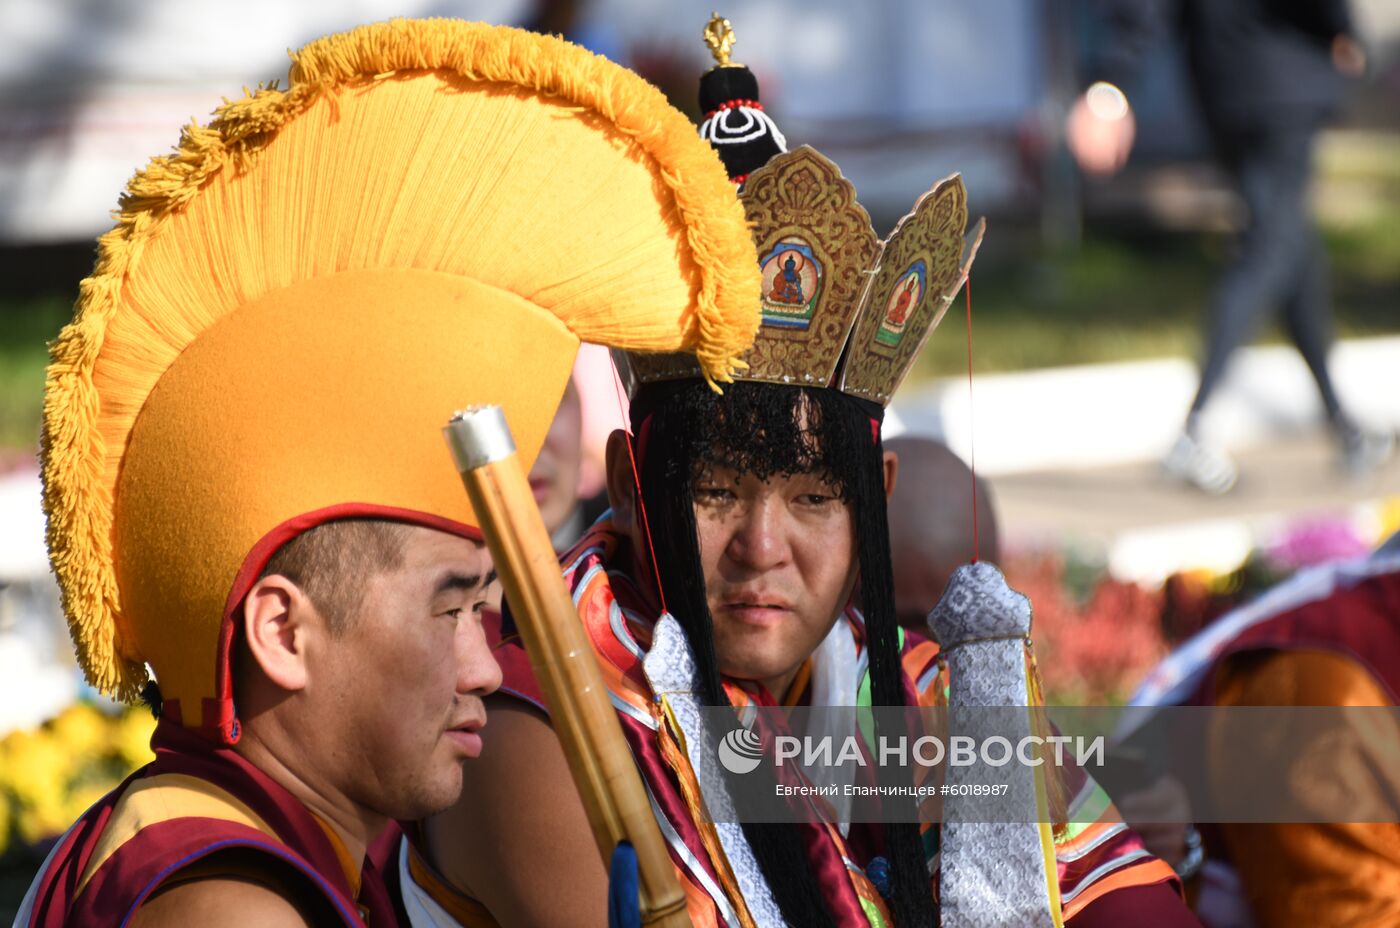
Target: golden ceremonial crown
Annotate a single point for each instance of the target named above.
(840, 307)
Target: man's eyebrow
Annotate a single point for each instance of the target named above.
(459, 582)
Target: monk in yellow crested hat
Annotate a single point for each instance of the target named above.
(248, 495)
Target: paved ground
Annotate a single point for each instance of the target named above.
(1285, 479)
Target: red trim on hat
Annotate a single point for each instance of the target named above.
(735, 104)
(218, 717)
(874, 430)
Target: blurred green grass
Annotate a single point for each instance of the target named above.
(26, 327)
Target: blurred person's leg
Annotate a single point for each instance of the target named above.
(1272, 164)
(1307, 318)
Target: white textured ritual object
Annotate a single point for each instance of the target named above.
(993, 868)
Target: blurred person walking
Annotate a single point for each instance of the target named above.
(1268, 75)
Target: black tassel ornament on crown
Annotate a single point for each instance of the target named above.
(734, 121)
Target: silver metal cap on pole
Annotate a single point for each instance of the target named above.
(478, 435)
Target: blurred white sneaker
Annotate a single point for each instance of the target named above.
(1208, 469)
(1362, 450)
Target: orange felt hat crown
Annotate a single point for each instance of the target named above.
(433, 214)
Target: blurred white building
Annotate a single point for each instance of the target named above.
(90, 89)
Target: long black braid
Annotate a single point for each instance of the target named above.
(772, 430)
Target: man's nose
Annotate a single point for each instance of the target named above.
(478, 672)
(759, 540)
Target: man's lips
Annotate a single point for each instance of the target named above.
(540, 488)
(757, 610)
(466, 737)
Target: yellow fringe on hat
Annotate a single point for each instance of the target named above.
(86, 424)
(725, 305)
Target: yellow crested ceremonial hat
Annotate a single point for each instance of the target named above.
(432, 214)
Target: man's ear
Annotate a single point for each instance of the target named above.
(622, 492)
(891, 473)
(275, 629)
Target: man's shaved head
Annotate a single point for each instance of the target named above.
(931, 524)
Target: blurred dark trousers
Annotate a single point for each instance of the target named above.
(1281, 264)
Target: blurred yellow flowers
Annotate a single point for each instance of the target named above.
(51, 775)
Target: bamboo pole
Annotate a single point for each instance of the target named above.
(562, 657)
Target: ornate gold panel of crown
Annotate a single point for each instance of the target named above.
(816, 247)
(924, 263)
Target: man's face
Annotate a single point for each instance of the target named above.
(398, 694)
(554, 476)
(779, 565)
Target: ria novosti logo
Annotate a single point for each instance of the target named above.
(740, 751)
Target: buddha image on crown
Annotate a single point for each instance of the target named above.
(792, 280)
(903, 301)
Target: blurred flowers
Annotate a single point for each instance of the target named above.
(1096, 636)
(1389, 517)
(1315, 541)
(1194, 599)
(1092, 648)
(50, 775)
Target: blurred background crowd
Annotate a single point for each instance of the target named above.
(1104, 281)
